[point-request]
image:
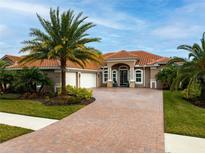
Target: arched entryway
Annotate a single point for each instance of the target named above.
(120, 75)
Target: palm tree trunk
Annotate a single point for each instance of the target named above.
(1, 88)
(63, 76)
(41, 88)
(202, 96)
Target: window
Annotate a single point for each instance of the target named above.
(139, 76)
(114, 75)
(123, 67)
(105, 75)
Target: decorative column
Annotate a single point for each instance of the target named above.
(109, 82)
(132, 77)
(144, 78)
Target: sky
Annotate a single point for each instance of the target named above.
(156, 26)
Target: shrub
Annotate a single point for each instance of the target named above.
(9, 96)
(74, 96)
(74, 100)
(167, 75)
(192, 92)
(80, 93)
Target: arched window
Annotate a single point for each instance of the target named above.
(105, 75)
(123, 67)
(139, 76)
(114, 75)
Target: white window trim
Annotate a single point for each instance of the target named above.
(115, 73)
(125, 67)
(103, 75)
(142, 76)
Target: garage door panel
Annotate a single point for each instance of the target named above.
(88, 80)
(71, 78)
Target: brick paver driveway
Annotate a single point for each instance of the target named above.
(121, 120)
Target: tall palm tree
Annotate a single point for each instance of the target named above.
(193, 69)
(64, 38)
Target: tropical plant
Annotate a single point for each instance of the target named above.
(3, 64)
(6, 77)
(31, 80)
(167, 75)
(64, 38)
(81, 93)
(193, 91)
(192, 69)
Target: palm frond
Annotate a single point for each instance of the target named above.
(177, 60)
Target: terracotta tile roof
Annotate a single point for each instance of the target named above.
(11, 58)
(89, 65)
(106, 55)
(52, 63)
(161, 60)
(38, 63)
(121, 54)
(144, 58)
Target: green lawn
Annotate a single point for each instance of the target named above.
(182, 117)
(9, 132)
(35, 108)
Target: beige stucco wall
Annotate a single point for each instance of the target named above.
(148, 74)
(153, 73)
(55, 76)
(99, 79)
(147, 77)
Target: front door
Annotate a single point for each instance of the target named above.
(124, 78)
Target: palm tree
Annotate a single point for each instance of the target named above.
(5, 76)
(64, 38)
(193, 69)
(29, 78)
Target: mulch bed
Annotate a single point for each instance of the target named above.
(57, 100)
(199, 103)
(54, 102)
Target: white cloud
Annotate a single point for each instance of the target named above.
(118, 24)
(106, 23)
(174, 31)
(106, 14)
(184, 23)
(126, 23)
(24, 7)
(108, 17)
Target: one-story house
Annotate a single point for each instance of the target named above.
(120, 69)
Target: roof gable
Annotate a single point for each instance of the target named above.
(143, 57)
(120, 55)
(10, 59)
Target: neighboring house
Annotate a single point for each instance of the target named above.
(120, 69)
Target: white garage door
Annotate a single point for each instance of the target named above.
(71, 79)
(88, 80)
